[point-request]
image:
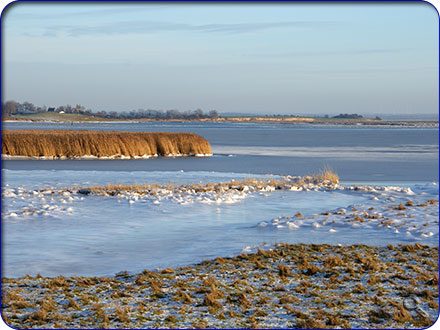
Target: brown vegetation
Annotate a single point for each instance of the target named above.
(283, 270)
(327, 175)
(70, 144)
(355, 286)
(194, 188)
(210, 300)
(333, 261)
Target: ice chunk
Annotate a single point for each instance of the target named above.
(292, 225)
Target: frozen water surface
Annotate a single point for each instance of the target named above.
(71, 234)
(355, 153)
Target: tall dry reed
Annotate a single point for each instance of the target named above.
(69, 143)
(327, 175)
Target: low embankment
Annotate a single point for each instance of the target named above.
(102, 144)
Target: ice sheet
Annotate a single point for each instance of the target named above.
(71, 234)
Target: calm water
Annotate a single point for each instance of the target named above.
(355, 153)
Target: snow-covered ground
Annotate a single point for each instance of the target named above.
(50, 230)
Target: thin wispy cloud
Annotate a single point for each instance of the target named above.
(86, 13)
(350, 52)
(250, 27)
(146, 27)
(370, 71)
(241, 55)
(355, 52)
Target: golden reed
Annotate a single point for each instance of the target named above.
(71, 144)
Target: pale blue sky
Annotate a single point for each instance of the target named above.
(245, 57)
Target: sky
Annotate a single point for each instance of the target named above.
(260, 58)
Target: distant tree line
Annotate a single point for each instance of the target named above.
(348, 116)
(352, 116)
(160, 114)
(11, 108)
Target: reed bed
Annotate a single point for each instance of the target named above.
(73, 144)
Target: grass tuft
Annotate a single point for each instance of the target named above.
(156, 289)
(312, 270)
(333, 261)
(57, 282)
(310, 323)
(211, 301)
(73, 304)
(39, 315)
(402, 315)
(327, 175)
(283, 270)
(121, 314)
(183, 296)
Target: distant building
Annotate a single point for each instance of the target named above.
(50, 109)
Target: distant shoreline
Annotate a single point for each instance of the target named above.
(287, 120)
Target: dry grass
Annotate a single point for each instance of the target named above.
(156, 289)
(211, 301)
(193, 188)
(243, 301)
(284, 271)
(69, 143)
(312, 270)
(333, 261)
(310, 323)
(57, 282)
(400, 207)
(39, 315)
(183, 296)
(73, 304)
(121, 314)
(232, 293)
(327, 175)
(402, 315)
